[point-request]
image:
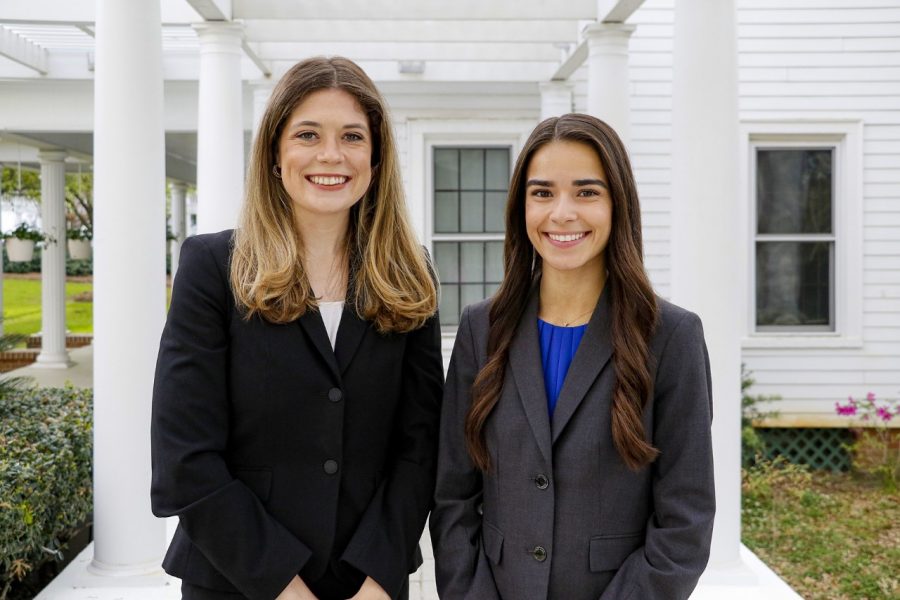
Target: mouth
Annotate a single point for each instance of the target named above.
(566, 238)
(328, 180)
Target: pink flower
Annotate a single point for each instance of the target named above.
(870, 396)
(846, 409)
(884, 413)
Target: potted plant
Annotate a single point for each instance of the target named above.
(20, 242)
(79, 243)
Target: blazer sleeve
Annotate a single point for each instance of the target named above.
(676, 547)
(386, 540)
(189, 435)
(461, 567)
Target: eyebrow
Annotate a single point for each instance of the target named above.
(317, 124)
(576, 183)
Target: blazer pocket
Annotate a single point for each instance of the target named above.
(608, 552)
(258, 479)
(492, 542)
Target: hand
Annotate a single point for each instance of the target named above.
(296, 590)
(370, 590)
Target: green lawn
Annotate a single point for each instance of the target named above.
(22, 307)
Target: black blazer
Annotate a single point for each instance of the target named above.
(560, 516)
(281, 456)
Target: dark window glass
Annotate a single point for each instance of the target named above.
(794, 285)
(469, 272)
(794, 190)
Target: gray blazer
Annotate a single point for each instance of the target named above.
(560, 516)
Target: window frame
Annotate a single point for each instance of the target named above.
(426, 135)
(845, 139)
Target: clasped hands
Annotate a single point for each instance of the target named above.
(297, 590)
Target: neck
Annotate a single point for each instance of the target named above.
(569, 297)
(324, 255)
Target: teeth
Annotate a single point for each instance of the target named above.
(566, 238)
(317, 179)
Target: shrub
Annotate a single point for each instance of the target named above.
(73, 267)
(752, 445)
(45, 476)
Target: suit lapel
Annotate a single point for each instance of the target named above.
(528, 373)
(593, 353)
(350, 334)
(312, 325)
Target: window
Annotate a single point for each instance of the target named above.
(795, 241)
(804, 226)
(469, 203)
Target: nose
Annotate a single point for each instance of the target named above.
(563, 209)
(330, 151)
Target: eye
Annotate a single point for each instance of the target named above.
(354, 137)
(307, 135)
(588, 193)
(541, 193)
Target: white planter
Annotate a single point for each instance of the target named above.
(79, 249)
(19, 250)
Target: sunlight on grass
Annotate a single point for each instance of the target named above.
(22, 307)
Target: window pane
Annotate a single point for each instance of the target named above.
(446, 259)
(471, 293)
(793, 284)
(446, 169)
(446, 212)
(497, 175)
(494, 262)
(472, 262)
(449, 305)
(793, 190)
(494, 209)
(471, 169)
(472, 207)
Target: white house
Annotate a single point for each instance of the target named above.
(765, 137)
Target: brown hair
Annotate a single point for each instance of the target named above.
(391, 282)
(633, 303)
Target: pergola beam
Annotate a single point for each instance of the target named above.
(212, 10)
(22, 51)
(335, 31)
(608, 11)
(428, 51)
(415, 10)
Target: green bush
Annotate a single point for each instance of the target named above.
(45, 476)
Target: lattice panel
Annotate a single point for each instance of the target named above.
(820, 448)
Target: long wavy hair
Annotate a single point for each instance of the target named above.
(390, 276)
(633, 302)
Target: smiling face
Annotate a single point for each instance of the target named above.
(325, 154)
(568, 208)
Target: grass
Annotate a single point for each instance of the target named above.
(22, 306)
(830, 536)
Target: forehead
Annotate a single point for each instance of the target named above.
(564, 160)
(329, 105)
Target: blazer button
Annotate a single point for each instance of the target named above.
(330, 466)
(539, 553)
(335, 395)
(541, 481)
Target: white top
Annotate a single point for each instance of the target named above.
(331, 316)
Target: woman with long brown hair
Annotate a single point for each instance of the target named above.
(297, 391)
(575, 457)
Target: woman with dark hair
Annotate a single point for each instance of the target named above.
(297, 391)
(575, 457)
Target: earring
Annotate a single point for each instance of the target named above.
(276, 171)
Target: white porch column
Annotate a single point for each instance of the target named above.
(608, 84)
(53, 261)
(220, 129)
(261, 94)
(177, 197)
(707, 252)
(556, 98)
(129, 282)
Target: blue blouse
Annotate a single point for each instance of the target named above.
(558, 346)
